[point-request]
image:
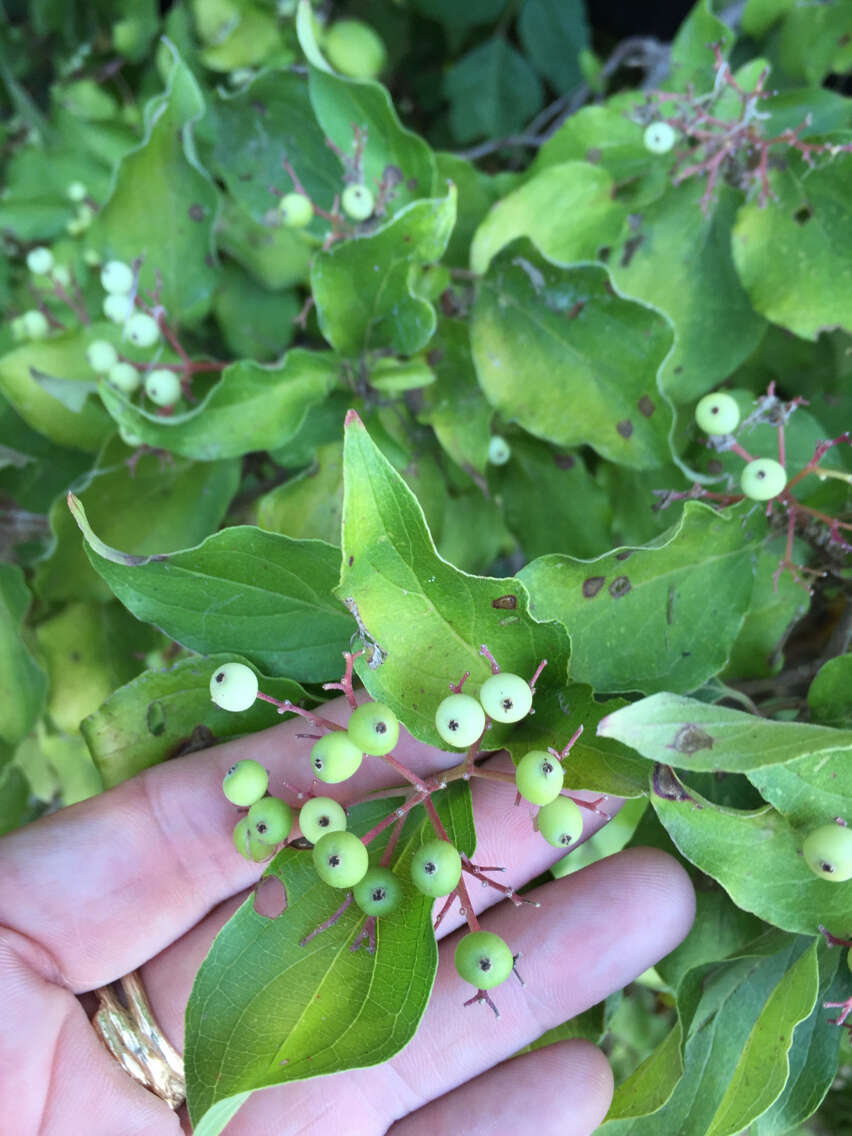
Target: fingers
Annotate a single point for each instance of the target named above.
(561, 1090)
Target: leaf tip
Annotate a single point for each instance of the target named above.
(352, 419)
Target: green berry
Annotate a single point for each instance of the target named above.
(506, 697)
(717, 413)
(319, 816)
(247, 844)
(828, 852)
(335, 757)
(659, 137)
(484, 959)
(245, 783)
(162, 387)
(270, 820)
(357, 202)
(436, 868)
(233, 686)
(763, 479)
(560, 822)
(117, 307)
(142, 330)
(374, 728)
(296, 210)
(379, 893)
(354, 49)
(341, 859)
(92, 258)
(85, 216)
(117, 277)
(539, 777)
(129, 437)
(40, 261)
(76, 191)
(460, 720)
(125, 377)
(34, 324)
(61, 275)
(499, 450)
(101, 355)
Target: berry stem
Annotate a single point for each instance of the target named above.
(332, 919)
(288, 707)
(456, 687)
(387, 855)
(345, 683)
(396, 815)
(495, 667)
(537, 673)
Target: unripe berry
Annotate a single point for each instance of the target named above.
(101, 355)
(659, 137)
(162, 387)
(76, 191)
(379, 892)
(117, 277)
(374, 728)
(335, 757)
(459, 720)
(560, 822)
(247, 844)
(61, 275)
(92, 258)
(357, 202)
(245, 783)
(319, 816)
(717, 413)
(828, 852)
(499, 450)
(341, 859)
(296, 210)
(539, 777)
(40, 261)
(142, 330)
(763, 479)
(128, 436)
(506, 697)
(34, 324)
(483, 959)
(270, 820)
(354, 49)
(125, 377)
(436, 868)
(233, 686)
(117, 307)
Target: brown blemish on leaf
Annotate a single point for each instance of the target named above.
(564, 461)
(619, 587)
(624, 427)
(646, 406)
(507, 603)
(196, 212)
(576, 309)
(592, 585)
(714, 466)
(803, 214)
(630, 247)
(667, 786)
(690, 739)
(593, 155)
(202, 737)
(625, 554)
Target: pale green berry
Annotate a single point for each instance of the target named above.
(129, 437)
(828, 852)
(248, 844)
(763, 479)
(374, 728)
(560, 822)
(74, 227)
(659, 137)
(341, 859)
(539, 777)
(117, 307)
(117, 277)
(125, 377)
(354, 49)
(506, 697)
(76, 191)
(245, 783)
(142, 330)
(270, 820)
(92, 258)
(319, 816)
(101, 355)
(233, 686)
(717, 413)
(296, 210)
(85, 216)
(436, 868)
(460, 720)
(35, 324)
(483, 959)
(61, 275)
(499, 450)
(40, 261)
(162, 387)
(357, 202)
(335, 757)
(379, 892)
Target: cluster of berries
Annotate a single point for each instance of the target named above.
(762, 478)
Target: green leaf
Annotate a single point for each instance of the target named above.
(164, 713)
(805, 227)
(830, 694)
(251, 407)
(811, 48)
(655, 618)
(310, 505)
(454, 406)
(546, 337)
(277, 257)
(567, 210)
(650, 1085)
(808, 790)
(422, 620)
(15, 808)
(679, 260)
(155, 507)
(760, 15)
(265, 1010)
(691, 57)
(477, 193)
(21, 679)
(697, 735)
(256, 323)
(163, 203)
(553, 33)
(363, 287)
(492, 91)
(457, 18)
(264, 596)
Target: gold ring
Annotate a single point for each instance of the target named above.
(126, 1025)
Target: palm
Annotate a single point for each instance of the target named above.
(144, 876)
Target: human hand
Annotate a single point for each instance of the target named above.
(144, 876)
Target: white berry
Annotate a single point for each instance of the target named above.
(125, 377)
(101, 355)
(117, 277)
(659, 137)
(117, 307)
(76, 191)
(233, 686)
(40, 261)
(35, 324)
(142, 330)
(499, 450)
(162, 387)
